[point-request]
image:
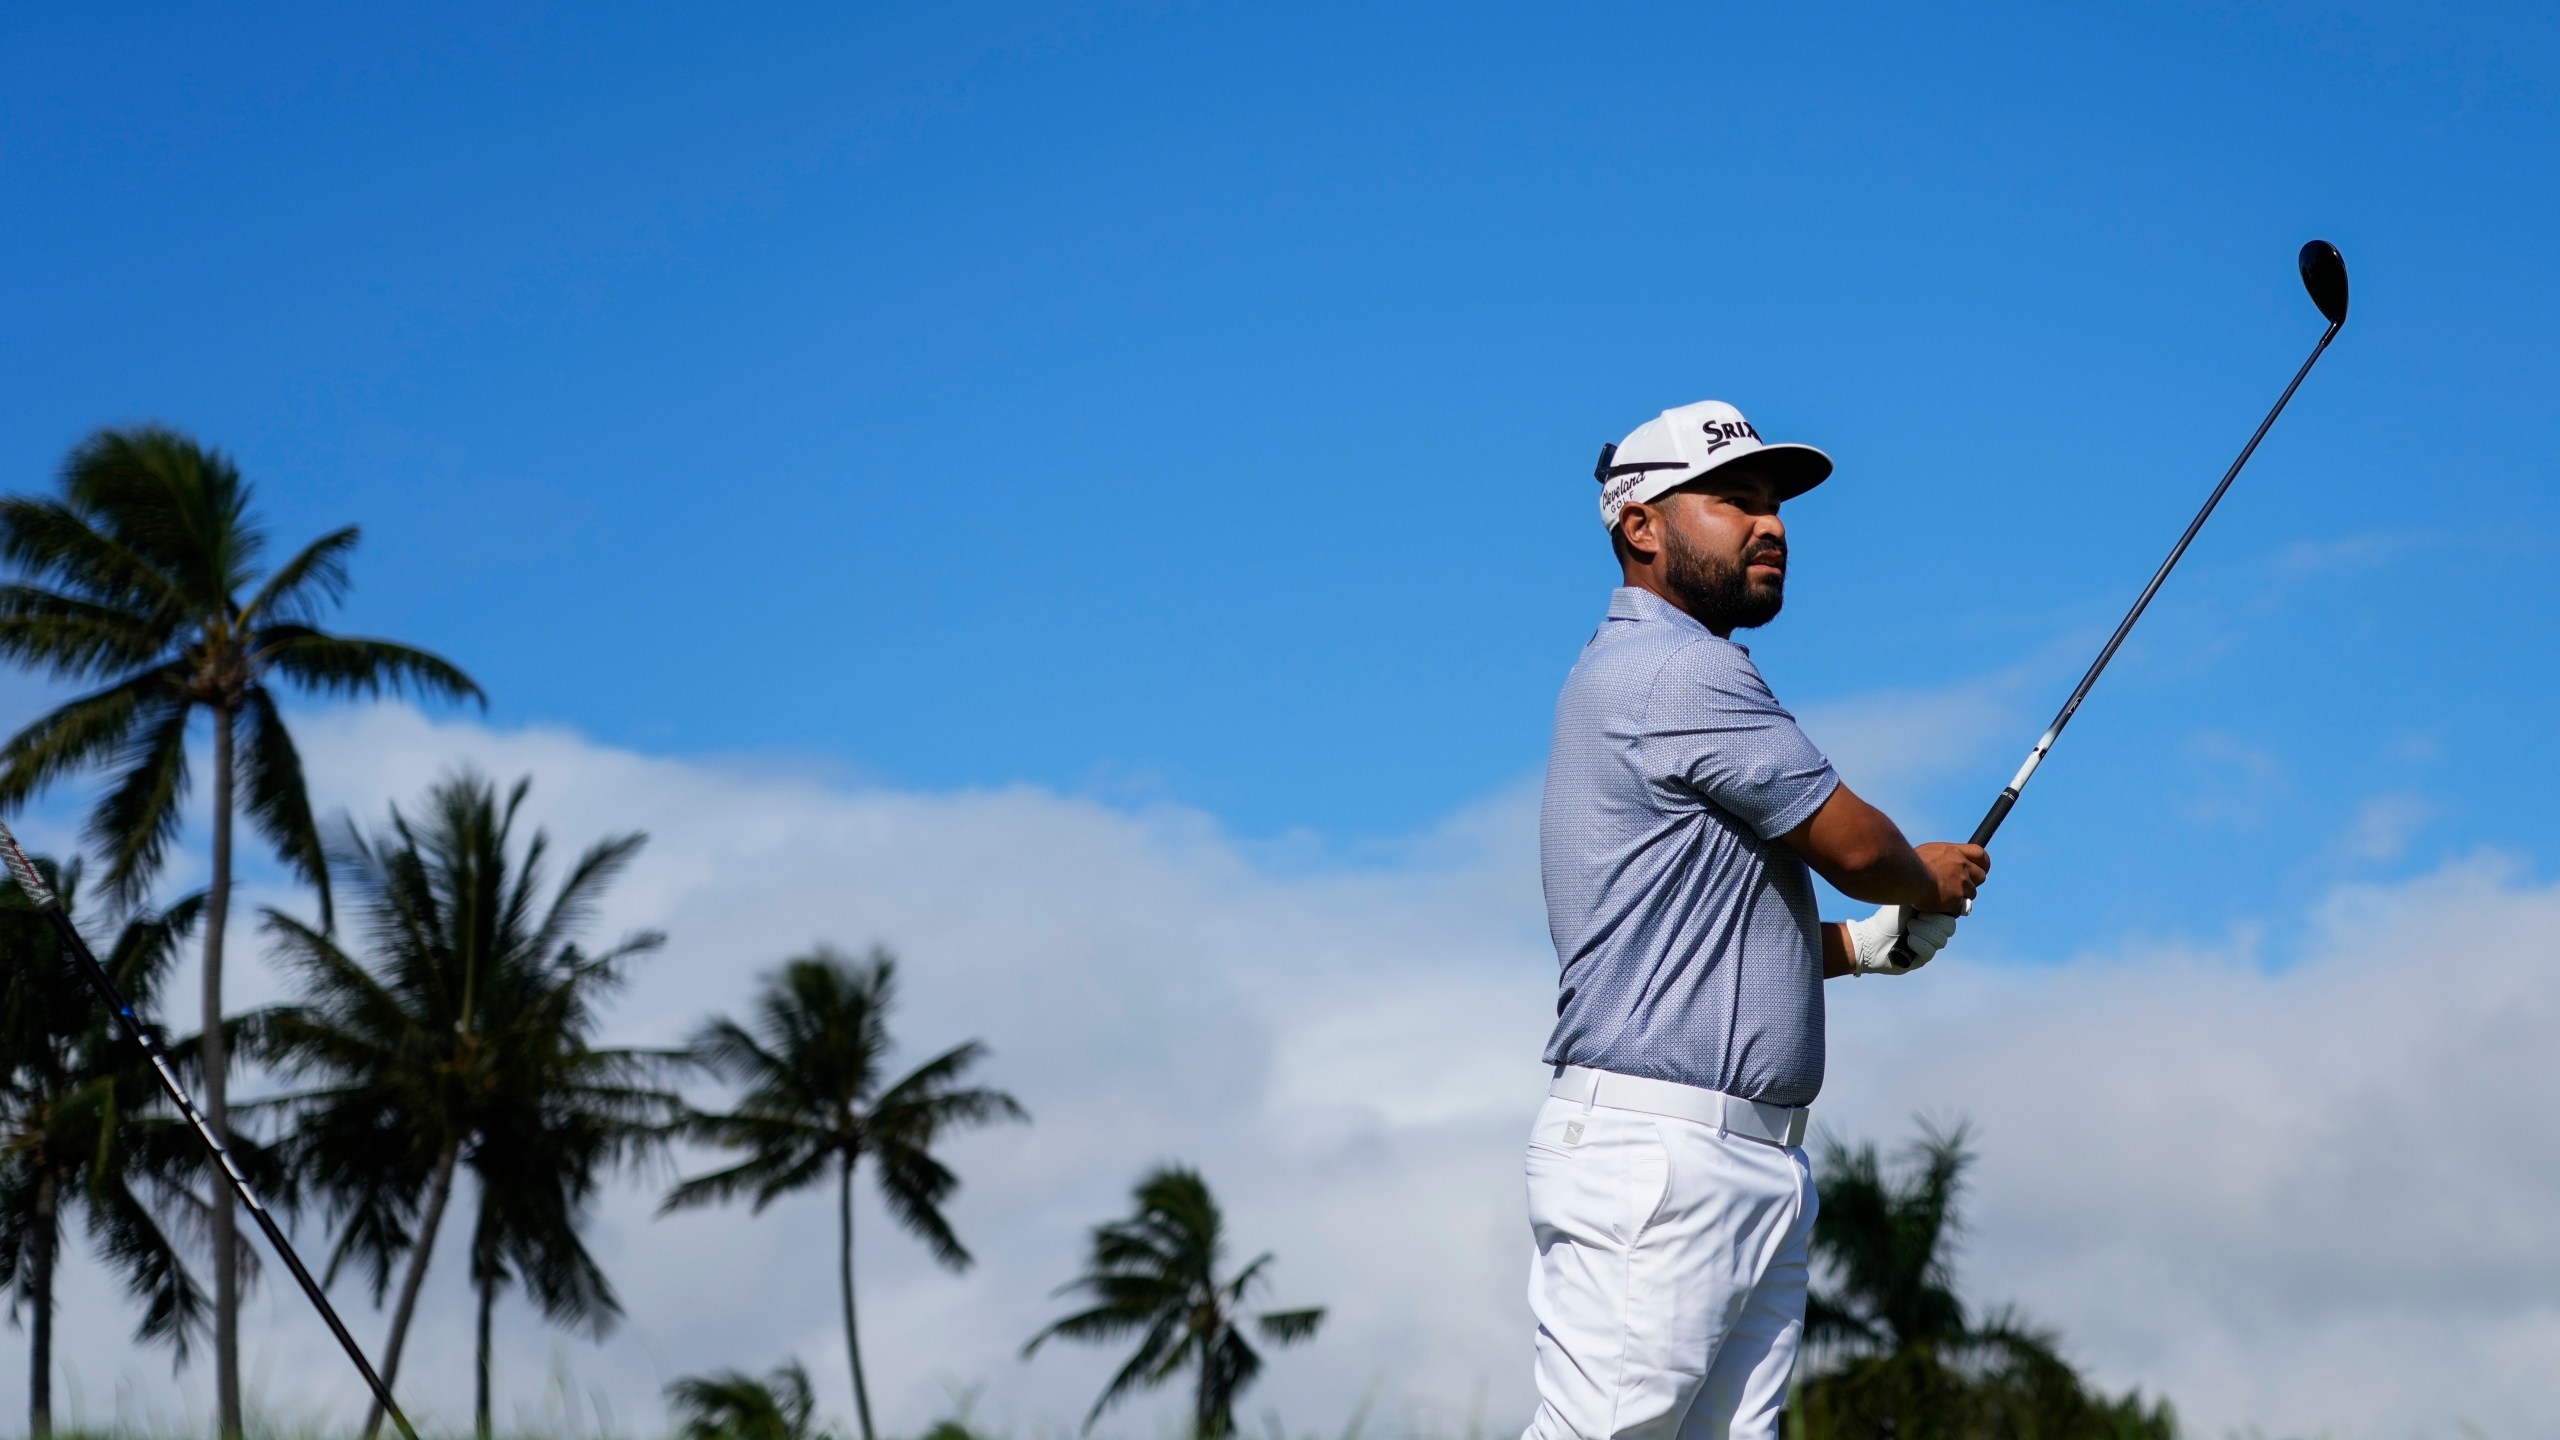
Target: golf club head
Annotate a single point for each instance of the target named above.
(2324, 274)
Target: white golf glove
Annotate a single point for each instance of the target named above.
(1871, 941)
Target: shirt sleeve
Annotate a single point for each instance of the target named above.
(1712, 726)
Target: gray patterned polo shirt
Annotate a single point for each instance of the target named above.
(1687, 929)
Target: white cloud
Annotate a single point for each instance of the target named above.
(2313, 1198)
(2304, 1200)
(2384, 826)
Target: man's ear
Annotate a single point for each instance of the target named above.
(1640, 531)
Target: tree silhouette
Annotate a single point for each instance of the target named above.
(465, 1040)
(78, 1132)
(1156, 1274)
(731, 1405)
(815, 1099)
(1891, 1351)
(132, 580)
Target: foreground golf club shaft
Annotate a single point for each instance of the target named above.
(32, 882)
(2324, 274)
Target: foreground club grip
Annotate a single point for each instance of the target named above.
(1999, 811)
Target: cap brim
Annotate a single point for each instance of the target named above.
(1792, 469)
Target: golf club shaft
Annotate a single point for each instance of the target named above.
(1999, 811)
(30, 881)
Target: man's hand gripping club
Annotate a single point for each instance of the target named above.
(1894, 930)
(1922, 888)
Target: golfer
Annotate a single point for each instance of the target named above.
(1668, 1189)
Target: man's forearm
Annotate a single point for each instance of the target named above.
(1863, 854)
(1894, 877)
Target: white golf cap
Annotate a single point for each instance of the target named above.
(1679, 445)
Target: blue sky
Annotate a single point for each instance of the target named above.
(1195, 405)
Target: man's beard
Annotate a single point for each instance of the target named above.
(1719, 594)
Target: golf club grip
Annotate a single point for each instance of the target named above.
(105, 985)
(1982, 834)
(1990, 825)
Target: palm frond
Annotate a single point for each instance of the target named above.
(132, 1243)
(1158, 1354)
(51, 540)
(138, 817)
(765, 1175)
(312, 581)
(1288, 1327)
(83, 732)
(924, 1102)
(732, 1405)
(179, 507)
(148, 945)
(573, 907)
(1227, 1365)
(346, 1009)
(915, 1184)
(66, 635)
(272, 790)
(535, 1190)
(355, 667)
(727, 1050)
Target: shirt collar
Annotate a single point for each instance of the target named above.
(1630, 602)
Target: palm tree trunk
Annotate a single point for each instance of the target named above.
(1204, 1407)
(480, 1400)
(48, 1242)
(852, 1344)
(217, 1110)
(438, 1191)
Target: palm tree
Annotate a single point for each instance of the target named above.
(77, 1129)
(810, 1071)
(464, 1041)
(132, 580)
(1157, 1272)
(728, 1405)
(1892, 1351)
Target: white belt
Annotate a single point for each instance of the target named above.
(1750, 1119)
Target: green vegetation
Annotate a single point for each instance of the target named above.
(730, 1405)
(816, 1098)
(1892, 1352)
(1155, 1274)
(465, 1041)
(77, 1132)
(132, 579)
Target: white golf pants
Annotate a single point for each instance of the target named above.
(1669, 1282)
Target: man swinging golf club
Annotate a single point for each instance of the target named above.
(1668, 1190)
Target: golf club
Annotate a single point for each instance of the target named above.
(32, 882)
(2324, 274)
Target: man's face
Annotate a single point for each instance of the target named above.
(1724, 550)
